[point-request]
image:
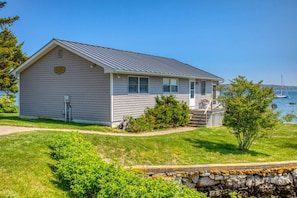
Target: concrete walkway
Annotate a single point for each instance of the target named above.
(6, 130)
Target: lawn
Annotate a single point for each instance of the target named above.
(201, 146)
(14, 120)
(25, 161)
(25, 166)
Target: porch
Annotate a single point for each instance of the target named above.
(209, 114)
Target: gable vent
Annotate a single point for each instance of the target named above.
(60, 53)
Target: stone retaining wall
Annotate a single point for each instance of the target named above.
(275, 179)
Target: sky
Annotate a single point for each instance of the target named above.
(253, 38)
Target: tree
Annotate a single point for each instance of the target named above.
(5, 22)
(11, 55)
(248, 113)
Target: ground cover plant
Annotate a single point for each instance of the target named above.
(85, 174)
(14, 120)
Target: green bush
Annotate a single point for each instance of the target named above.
(290, 117)
(7, 104)
(167, 113)
(78, 164)
(140, 124)
(85, 174)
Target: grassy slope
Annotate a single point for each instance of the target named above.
(202, 146)
(25, 162)
(25, 166)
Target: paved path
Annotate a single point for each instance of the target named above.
(5, 130)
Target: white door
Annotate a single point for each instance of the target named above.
(192, 94)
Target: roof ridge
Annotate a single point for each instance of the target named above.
(114, 49)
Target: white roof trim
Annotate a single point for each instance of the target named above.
(47, 48)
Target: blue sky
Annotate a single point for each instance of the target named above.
(253, 38)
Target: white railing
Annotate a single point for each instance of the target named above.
(209, 105)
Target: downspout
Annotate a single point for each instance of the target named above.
(19, 90)
(111, 98)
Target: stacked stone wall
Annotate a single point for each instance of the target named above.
(275, 179)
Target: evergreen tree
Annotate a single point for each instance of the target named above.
(248, 113)
(5, 22)
(11, 55)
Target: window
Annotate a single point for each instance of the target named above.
(170, 85)
(138, 85)
(143, 87)
(214, 94)
(203, 87)
(192, 89)
(133, 85)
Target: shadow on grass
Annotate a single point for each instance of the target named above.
(41, 121)
(289, 145)
(222, 147)
(56, 181)
(58, 184)
(10, 117)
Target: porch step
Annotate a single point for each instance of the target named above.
(198, 118)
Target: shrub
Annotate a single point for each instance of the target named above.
(289, 117)
(141, 124)
(77, 164)
(85, 174)
(7, 104)
(167, 113)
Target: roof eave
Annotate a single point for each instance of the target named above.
(50, 46)
(165, 75)
(106, 68)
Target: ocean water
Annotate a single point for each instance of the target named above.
(287, 105)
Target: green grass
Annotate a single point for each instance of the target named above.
(25, 166)
(201, 146)
(25, 161)
(14, 120)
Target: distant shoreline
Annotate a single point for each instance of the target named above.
(276, 87)
(284, 86)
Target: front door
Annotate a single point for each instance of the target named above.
(192, 94)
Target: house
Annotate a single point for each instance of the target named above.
(67, 80)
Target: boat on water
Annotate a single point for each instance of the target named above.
(281, 95)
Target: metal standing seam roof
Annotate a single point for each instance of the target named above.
(126, 61)
(120, 61)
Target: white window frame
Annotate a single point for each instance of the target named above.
(138, 84)
(170, 85)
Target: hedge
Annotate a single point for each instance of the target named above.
(83, 173)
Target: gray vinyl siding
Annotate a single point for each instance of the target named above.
(125, 104)
(42, 91)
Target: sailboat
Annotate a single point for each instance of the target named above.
(281, 95)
